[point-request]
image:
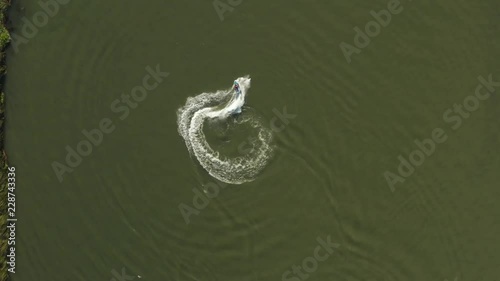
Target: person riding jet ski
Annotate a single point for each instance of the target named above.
(236, 87)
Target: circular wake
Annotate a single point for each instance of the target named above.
(223, 106)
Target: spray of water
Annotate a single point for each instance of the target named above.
(222, 105)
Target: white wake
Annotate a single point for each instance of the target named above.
(222, 105)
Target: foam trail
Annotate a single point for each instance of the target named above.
(190, 120)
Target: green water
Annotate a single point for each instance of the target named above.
(119, 208)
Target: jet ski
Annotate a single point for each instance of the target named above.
(236, 98)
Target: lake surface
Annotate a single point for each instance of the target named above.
(334, 172)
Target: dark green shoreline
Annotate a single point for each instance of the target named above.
(4, 41)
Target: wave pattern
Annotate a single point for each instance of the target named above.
(207, 106)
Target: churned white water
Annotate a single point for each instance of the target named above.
(234, 170)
